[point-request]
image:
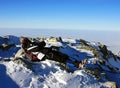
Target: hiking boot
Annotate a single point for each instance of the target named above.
(77, 64)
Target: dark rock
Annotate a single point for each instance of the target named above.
(84, 42)
(104, 50)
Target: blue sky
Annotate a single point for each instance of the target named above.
(60, 14)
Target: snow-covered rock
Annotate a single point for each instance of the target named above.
(9, 46)
(9, 39)
(101, 71)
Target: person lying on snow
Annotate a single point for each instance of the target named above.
(36, 51)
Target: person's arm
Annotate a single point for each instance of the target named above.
(39, 44)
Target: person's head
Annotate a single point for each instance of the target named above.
(23, 40)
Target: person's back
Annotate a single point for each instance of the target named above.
(32, 46)
(38, 46)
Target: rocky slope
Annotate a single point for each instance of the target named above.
(102, 67)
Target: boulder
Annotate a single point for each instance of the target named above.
(6, 46)
(110, 84)
(84, 42)
(104, 50)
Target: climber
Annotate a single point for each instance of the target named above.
(38, 52)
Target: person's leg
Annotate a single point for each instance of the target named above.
(74, 63)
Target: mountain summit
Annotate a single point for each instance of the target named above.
(101, 70)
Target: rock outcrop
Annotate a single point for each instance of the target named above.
(9, 45)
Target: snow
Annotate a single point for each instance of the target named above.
(69, 40)
(9, 39)
(49, 74)
(94, 44)
(10, 52)
(5, 79)
(115, 63)
(75, 54)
